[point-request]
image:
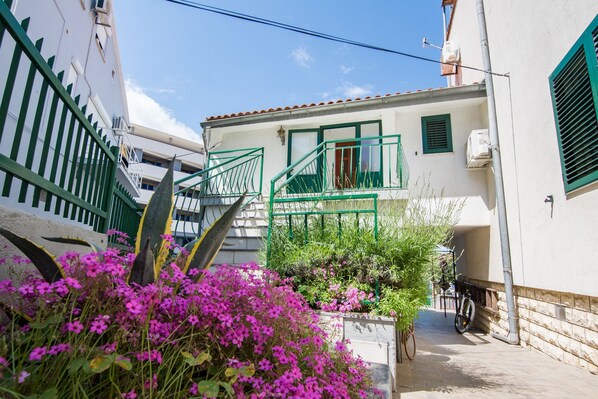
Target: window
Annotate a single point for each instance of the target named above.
(147, 185)
(574, 89)
(436, 134)
(102, 38)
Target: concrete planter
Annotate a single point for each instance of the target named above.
(373, 338)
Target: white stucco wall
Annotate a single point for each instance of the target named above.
(552, 247)
(68, 29)
(445, 172)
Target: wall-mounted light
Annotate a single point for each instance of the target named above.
(281, 135)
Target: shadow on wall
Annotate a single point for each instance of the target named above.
(477, 253)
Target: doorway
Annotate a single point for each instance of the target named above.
(345, 161)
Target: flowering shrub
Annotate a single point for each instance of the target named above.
(237, 332)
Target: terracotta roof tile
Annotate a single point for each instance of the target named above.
(320, 104)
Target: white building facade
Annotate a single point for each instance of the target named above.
(67, 109)
(548, 136)
(155, 151)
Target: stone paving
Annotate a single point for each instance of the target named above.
(475, 365)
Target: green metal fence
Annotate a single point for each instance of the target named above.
(202, 197)
(51, 156)
(338, 179)
(125, 213)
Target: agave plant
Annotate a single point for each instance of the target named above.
(151, 250)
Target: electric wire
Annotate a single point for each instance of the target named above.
(292, 28)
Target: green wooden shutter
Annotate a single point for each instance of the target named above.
(574, 86)
(436, 134)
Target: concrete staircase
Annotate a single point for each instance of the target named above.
(246, 237)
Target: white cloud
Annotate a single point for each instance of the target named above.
(346, 69)
(353, 91)
(146, 111)
(302, 57)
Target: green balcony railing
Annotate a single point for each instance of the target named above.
(338, 179)
(51, 155)
(202, 197)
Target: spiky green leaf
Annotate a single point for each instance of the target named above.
(75, 241)
(157, 217)
(206, 248)
(20, 318)
(50, 270)
(143, 270)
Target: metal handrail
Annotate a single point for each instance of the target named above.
(304, 187)
(207, 193)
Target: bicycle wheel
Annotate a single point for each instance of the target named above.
(409, 342)
(464, 316)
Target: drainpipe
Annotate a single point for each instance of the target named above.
(513, 337)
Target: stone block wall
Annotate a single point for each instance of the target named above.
(560, 324)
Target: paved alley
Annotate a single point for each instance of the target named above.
(475, 365)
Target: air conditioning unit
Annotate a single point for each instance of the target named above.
(102, 13)
(450, 52)
(478, 148)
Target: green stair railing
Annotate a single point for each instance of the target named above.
(202, 197)
(338, 179)
(51, 155)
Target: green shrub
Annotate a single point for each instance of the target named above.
(327, 262)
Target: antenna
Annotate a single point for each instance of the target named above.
(426, 43)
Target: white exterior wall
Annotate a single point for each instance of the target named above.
(551, 248)
(68, 29)
(186, 152)
(445, 172)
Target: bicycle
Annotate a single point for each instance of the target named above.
(408, 341)
(465, 312)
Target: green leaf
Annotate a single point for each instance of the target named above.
(41, 259)
(248, 371)
(157, 218)
(76, 365)
(75, 241)
(39, 325)
(20, 318)
(197, 360)
(142, 272)
(124, 363)
(228, 388)
(208, 388)
(206, 248)
(50, 393)
(100, 364)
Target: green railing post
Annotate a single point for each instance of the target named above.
(106, 202)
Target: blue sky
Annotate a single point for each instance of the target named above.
(183, 65)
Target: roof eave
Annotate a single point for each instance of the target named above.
(398, 100)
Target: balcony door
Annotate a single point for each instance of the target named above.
(345, 161)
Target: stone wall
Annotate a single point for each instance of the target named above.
(560, 324)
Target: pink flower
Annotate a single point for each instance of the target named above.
(74, 326)
(109, 348)
(193, 390)
(265, 365)
(22, 376)
(134, 307)
(129, 395)
(43, 288)
(37, 354)
(73, 283)
(57, 349)
(99, 324)
(193, 320)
